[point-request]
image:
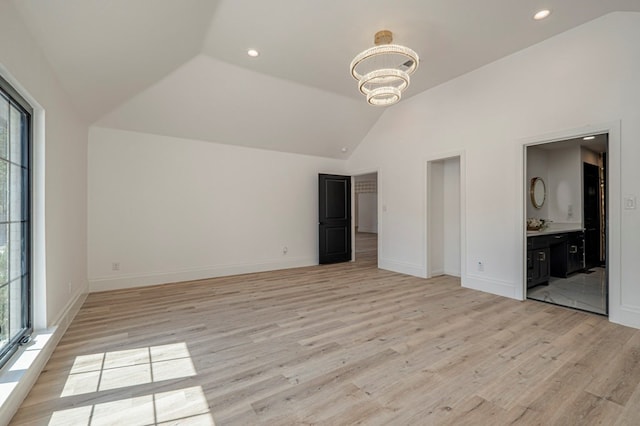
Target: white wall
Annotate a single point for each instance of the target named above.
(538, 94)
(169, 209)
(65, 166)
(60, 200)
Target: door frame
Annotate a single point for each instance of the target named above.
(613, 209)
(461, 155)
(353, 209)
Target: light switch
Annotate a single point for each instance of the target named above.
(630, 203)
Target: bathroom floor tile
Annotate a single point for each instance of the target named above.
(585, 291)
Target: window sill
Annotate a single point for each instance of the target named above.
(21, 372)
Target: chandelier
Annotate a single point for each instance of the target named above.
(383, 71)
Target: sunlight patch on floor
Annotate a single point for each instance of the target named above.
(119, 369)
(184, 406)
(124, 369)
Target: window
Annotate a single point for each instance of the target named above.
(15, 227)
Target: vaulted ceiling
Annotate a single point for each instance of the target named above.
(180, 67)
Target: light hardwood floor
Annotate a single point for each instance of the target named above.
(335, 344)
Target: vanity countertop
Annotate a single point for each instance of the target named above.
(557, 228)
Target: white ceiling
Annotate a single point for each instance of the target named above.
(180, 68)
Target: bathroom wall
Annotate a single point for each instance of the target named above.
(537, 166)
(564, 188)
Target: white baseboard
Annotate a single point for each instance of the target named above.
(155, 278)
(625, 315)
(19, 375)
(490, 285)
(452, 273)
(437, 272)
(402, 267)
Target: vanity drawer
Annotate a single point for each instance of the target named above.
(557, 239)
(538, 242)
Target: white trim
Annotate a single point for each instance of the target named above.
(402, 267)
(353, 209)
(452, 273)
(155, 278)
(426, 179)
(618, 311)
(21, 372)
(490, 285)
(19, 375)
(627, 315)
(38, 213)
(353, 219)
(461, 155)
(523, 220)
(38, 246)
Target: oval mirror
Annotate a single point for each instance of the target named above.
(538, 192)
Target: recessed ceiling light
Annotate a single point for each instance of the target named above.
(253, 53)
(344, 149)
(588, 138)
(541, 14)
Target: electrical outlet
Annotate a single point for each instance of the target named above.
(480, 267)
(115, 266)
(285, 250)
(630, 202)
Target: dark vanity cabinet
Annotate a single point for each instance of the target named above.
(538, 261)
(554, 255)
(567, 254)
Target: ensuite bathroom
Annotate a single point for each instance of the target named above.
(566, 206)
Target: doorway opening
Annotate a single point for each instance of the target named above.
(567, 236)
(444, 217)
(365, 190)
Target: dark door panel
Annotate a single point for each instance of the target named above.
(591, 215)
(336, 240)
(334, 218)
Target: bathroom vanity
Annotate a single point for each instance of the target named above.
(555, 252)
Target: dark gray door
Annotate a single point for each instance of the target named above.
(334, 218)
(592, 203)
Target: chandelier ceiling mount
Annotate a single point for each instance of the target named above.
(383, 71)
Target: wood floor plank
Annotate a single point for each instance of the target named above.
(621, 374)
(333, 345)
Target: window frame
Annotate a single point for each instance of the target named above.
(18, 102)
